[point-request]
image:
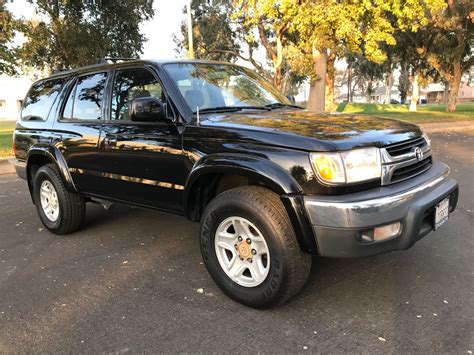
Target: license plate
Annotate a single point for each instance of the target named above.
(441, 213)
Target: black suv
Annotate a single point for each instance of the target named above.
(270, 182)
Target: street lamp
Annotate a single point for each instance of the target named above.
(190, 31)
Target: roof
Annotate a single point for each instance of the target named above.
(99, 66)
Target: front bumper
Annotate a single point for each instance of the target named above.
(338, 221)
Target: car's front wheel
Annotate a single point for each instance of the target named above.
(250, 249)
(60, 211)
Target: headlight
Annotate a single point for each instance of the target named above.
(347, 167)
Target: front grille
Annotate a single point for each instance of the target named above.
(411, 170)
(400, 160)
(406, 146)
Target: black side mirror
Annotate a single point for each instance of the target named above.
(147, 109)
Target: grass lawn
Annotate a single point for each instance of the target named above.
(6, 131)
(425, 113)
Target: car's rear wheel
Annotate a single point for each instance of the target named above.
(60, 211)
(250, 249)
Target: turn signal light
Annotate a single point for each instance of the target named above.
(325, 167)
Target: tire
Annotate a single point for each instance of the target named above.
(70, 209)
(287, 267)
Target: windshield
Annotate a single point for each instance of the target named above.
(209, 86)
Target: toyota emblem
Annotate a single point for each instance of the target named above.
(419, 154)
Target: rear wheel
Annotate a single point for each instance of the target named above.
(60, 211)
(250, 249)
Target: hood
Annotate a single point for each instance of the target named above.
(307, 130)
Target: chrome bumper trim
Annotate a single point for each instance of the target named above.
(362, 213)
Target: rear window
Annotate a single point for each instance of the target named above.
(85, 99)
(40, 99)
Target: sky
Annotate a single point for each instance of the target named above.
(159, 31)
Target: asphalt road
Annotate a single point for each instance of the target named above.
(129, 282)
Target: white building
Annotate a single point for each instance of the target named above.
(13, 89)
(12, 93)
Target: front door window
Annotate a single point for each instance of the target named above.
(130, 84)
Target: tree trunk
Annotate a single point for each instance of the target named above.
(388, 88)
(415, 93)
(349, 83)
(277, 63)
(329, 100)
(463, 40)
(445, 93)
(403, 83)
(317, 90)
(369, 90)
(454, 88)
(329, 92)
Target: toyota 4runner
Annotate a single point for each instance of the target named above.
(270, 183)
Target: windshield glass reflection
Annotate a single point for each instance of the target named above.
(207, 86)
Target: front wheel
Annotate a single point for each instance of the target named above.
(250, 249)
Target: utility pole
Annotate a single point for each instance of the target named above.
(190, 31)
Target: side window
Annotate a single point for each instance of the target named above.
(85, 99)
(40, 99)
(130, 84)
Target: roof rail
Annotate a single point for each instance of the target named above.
(115, 60)
(60, 70)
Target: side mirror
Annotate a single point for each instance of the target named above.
(147, 109)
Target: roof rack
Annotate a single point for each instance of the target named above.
(115, 60)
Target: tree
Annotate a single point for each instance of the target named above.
(443, 41)
(7, 32)
(327, 26)
(212, 33)
(71, 33)
(268, 19)
(367, 74)
(449, 44)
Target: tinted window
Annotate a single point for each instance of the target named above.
(40, 99)
(85, 99)
(130, 84)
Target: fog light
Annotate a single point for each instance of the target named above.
(387, 231)
(381, 233)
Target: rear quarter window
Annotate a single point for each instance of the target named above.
(40, 99)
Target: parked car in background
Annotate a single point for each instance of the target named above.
(271, 183)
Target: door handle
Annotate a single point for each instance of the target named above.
(108, 140)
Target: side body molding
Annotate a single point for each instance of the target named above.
(55, 155)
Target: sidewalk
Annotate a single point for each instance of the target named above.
(7, 166)
(447, 126)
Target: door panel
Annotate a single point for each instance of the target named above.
(143, 164)
(140, 162)
(79, 127)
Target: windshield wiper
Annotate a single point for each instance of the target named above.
(231, 109)
(280, 105)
